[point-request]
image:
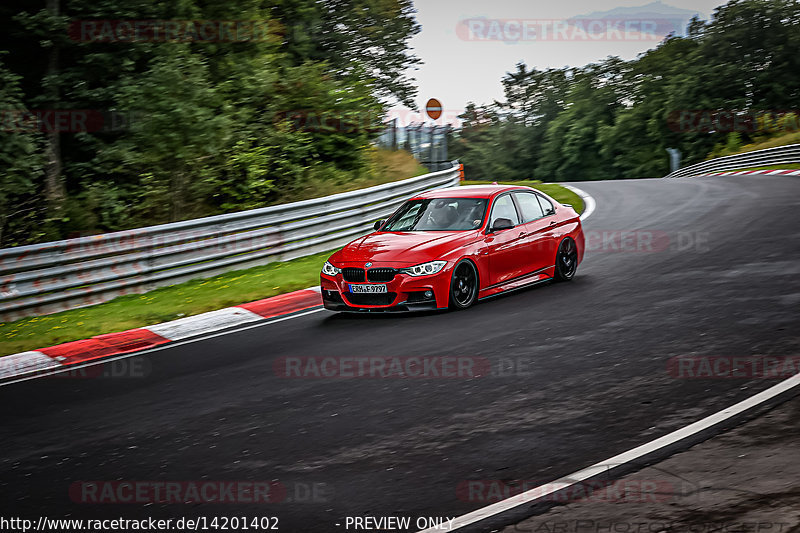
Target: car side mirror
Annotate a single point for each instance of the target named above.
(501, 224)
(378, 224)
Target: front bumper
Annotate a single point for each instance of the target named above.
(404, 293)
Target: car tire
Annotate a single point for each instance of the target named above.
(463, 285)
(566, 260)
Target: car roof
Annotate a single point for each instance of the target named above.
(471, 191)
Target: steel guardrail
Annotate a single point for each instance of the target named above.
(781, 155)
(49, 277)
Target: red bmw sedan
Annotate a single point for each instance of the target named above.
(447, 248)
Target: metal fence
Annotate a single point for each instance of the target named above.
(50, 277)
(782, 155)
(426, 142)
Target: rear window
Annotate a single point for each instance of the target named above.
(547, 205)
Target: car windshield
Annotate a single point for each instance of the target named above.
(438, 214)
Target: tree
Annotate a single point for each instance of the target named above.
(182, 124)
(22, 206)
(571, 148)
(367, 39)
(641, 132)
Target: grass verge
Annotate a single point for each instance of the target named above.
(384, 166)
(760, 144)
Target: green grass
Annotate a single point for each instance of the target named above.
(384, 166)
(161, 305)
(762, 144)
(558, 192)
(774, 142)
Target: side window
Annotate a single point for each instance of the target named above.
(547, 206)
(529, 205)
(504, 208)
(408, 219)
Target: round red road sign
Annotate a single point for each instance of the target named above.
(433, 108)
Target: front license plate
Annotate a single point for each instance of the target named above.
(368, 289)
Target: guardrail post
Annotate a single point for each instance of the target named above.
(674, 159)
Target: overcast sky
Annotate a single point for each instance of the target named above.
(460, 66)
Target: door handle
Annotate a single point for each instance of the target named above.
(553, 223)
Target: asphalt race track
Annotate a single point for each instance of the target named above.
(711, 269)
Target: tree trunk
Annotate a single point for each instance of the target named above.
(54, 185)
(177, 193)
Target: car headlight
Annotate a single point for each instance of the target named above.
(329, 269)
(425, 269)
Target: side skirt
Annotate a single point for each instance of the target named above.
(528, 280)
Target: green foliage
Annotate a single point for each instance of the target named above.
(209, 127)
(21, 162)
(370, 36)
(732, 145)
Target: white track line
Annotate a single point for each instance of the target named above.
(588, 202)
(191, 326)
(625, 457)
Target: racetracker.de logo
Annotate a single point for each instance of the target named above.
(171, 31)
(626, 241)
(611, 491)
(377, 367)
(575, 29)
(319, 121)
(734, 120)
(131, 368)
(645, 241)
(734, 367)
(172, 492)
(65, 120)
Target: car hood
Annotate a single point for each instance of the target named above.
(406, 247)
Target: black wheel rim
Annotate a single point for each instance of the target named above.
(464, 282)
(568, 259)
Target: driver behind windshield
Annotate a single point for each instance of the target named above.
(439, 214)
